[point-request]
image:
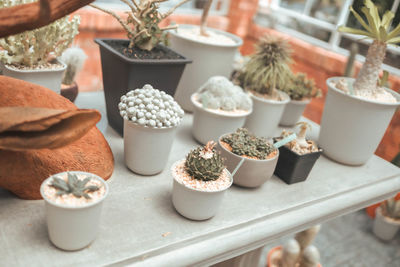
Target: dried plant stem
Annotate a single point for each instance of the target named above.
(204, 17)
(117, 18)
(173, 9)
(129, 4)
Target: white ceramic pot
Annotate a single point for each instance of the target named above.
(208, 60)
(73, 228)
(385, 228)
(264, 119)
(253, 172)
(351, 127)
(195, 204)
(210, 124)
(146, 149)
(293, 111)
(45, 77)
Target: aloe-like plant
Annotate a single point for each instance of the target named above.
(377, 29)
(142, 22)
(74, 186)
(268, 68)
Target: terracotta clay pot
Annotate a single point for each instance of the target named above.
(70, 92)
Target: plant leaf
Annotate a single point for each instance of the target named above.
(373, 10)
(387, 19)
(382, 34)
(372, 23)
(356, 31)
(60, 184)
(394, 40)
(91, 188)
(360, 19)
(395, 32)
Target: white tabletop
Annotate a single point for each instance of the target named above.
(138, 212)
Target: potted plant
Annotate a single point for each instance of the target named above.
(212, 51)
(151, 118)
(31, 55)
(141, 60)
(301, 90)
(219, 107)
(297, 157)
(387, 219)
(200, 182)
(266, 71)
(254, 156)
(73, 203)
(73, 57)
(357, 112)
(297, 252)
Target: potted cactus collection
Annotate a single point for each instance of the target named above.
(140, 60)
(258, 155)
(301, 90)
(296, 252)
(212, 51)
(151, 118)
(387, 219)
(357, 112)
(32, 55)
(263, 75)
(73, 57)
(297, 157)
(73, 202)
(219, 107)
(200, 182)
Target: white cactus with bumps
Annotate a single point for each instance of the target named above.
(220, 93)
(151, 108)
(37, 47)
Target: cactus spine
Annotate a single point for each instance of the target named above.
(204, 163)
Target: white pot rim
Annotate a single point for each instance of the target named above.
(198, 190)
(245, 158)
(151, 129)
(198, 105)
(237, 39)
(270, 101)
(387, 219)
(64, 66)
(84, 206)
(334, 89)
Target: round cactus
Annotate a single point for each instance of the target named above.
(220, 93)
(150, 107)
(204, 163)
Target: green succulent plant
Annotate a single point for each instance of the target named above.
(204, 163)
(141, 24)
(268, 68)
(244, 143)
(74, 186)
(377, 29)
(301, 87)
(391, 208)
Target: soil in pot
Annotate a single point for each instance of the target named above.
(122, 73)
(253, 158)
(158, 52)
(297, 157)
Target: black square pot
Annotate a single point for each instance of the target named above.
(292, 167)
(122, 74)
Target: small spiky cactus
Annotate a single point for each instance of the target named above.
(377, 29)
(300, 87)
(244, 143)
(268, 69)
(142, 22)
(204, 163)
(74, 186)
(73, 57)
